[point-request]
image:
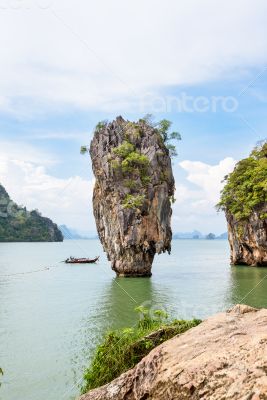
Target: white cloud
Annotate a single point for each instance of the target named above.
(66, 201)
(106, 54)
(17, 150)
(208, 177)
(195, 205)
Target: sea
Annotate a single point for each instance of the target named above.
(53, 315)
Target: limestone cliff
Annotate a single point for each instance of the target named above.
(248, 239)
(225, 357)
(244, 200)
(132, 194)
(17, 224)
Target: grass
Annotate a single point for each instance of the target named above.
(122, 349)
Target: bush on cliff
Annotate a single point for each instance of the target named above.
(130, 160)
(246, 186)
(132, 201)
(163, 129)
(122, 349)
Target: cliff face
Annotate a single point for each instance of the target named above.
(222, 358)
(19, 225)
(248, 239)
(132, 194)
(244, 200)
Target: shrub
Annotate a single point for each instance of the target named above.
(172, 199)
(83, 149)
(172, 150)
(145, 179)
(163, 129)
(100, 125)
(115, 164)
(132, 201)
(124, 149)
(135, 158)
(122, 349)
(131, 162)
(131, 184)
(135, 161)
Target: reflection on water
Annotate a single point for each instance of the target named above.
(51, 321)
(116, 308)
(249, 286)
(123, 295)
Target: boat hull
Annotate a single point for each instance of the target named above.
(81, 261)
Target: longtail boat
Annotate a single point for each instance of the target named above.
(72, 260)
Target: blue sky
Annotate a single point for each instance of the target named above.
(98, 61)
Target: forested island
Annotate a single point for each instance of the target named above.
(244, 200)
(17, 224)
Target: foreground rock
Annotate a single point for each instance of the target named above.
(132, 194)
(248, 239)
(225, 357)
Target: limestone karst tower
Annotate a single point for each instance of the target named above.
(132, 194)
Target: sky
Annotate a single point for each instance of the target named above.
(66, 65)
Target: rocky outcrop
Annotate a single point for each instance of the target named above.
(17, 224)
(248, 238)
(225, 357)
(244, 201)
(132, 194)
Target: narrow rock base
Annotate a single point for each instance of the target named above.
(134, 263)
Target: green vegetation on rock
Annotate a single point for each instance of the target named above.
(130, 165)
(19, 225)
(122, 349)
(163, 129)
(132, 201)
(246, 186)
(124, 149)
(133, 167)
(130, 159)
(100, 125)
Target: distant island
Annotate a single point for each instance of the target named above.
(71, 234)
(17, 224)
(198, 235)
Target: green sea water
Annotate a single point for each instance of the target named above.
(52, 315)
